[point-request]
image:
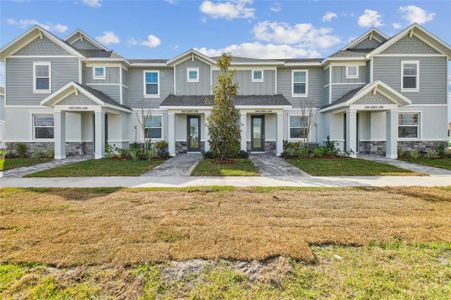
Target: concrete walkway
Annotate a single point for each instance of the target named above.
(406, 165)
(180, 165)
(19, 172)
(271, 165)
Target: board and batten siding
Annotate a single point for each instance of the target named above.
(410, 45)
(339, 75)
(19, 78)
(247, 87)
(112, 75)
(135, 94)
(42, 46)
(203, 87)
(315, 91)
(433, 77)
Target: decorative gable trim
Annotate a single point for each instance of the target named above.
(369, 33)
(190, 54)
(83, 35)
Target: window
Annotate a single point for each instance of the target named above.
(43, 126)
(192, 74)
(99, 73)
(299, 83)
(410, 76)
(297, 127)
(42, 77)
(153, 127)
(151, 83)
(257, 76)
(408, 125)
(352, 72)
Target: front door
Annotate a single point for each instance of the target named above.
(193, 133)
(258, 133)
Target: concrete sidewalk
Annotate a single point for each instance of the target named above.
(184, 181)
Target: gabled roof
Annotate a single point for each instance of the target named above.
(239, 100)
(85, 36)
(373, 32)
(191, 52)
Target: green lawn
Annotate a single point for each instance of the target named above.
(444, 163)
(348, 167)
(12, 163)
(100, 167)
(238, 167)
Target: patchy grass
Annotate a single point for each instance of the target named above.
(348, 167)
(12, 163)
(100, 167)
(236, 167)
(391, 271)
(75, 227)
(444, 163)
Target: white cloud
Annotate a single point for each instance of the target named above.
(108, 38)
(235, 9)
(415, 14)
(276, 7)
(171, 1)
(370, 18)
(396, 25)
(24, 23)
(259, 50)
(92, 3)
(302, 34)
(151, 42)
(329, 16)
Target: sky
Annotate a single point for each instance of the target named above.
(265, 29)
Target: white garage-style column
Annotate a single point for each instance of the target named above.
(243, 127)
(351, 132)
(59, 119)
(99, 120)
(207, 133)
(391, 144)
(171, 133)
(279, 138)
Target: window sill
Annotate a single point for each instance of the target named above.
(352, 77)
(152, 96)
(410, 90)
(43, 140)
(192, 81)
(299, 95)
(99, 78)
(41, 91)
(409, 139)
(257, 80)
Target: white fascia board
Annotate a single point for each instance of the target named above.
(148, 65)
(89, 38)
(103, 59)
(75, 87)
(306, 64)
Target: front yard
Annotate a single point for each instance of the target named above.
(100, 167)
(12, 163)
(342, 166)
(443, 163)
(232, 167)
(131, 243)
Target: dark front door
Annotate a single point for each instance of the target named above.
(193, 133)
(258, 133)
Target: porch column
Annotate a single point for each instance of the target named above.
(243, 127)
(351, 132)
(279, 139)
(207, 133)
(99, 120)
(59, 119)
(171, 133)
(391, 144)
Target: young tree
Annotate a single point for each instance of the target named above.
(309, 116)
(144, 115)
(223, 123)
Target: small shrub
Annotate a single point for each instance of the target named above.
(163, 154)
(243, 154)
(151, 153)
(319, 152)
(2, 153)
(135, 153)
(432, 154)
(109, 151)
(442, 150)
(415, 154)
(21, 149)
(208, 155)
(161, 145)
(403, 153)
(123, 154)
(38, 154)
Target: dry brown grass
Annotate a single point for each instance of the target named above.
(122, 227)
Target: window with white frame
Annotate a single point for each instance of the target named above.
(409, 125)
(257, 76)
(352, 72)
(151, 83)
(192, 74)
(298, 129)
(99, 73)
(153, 127)
(410, 76)
(299, 83)
(43, 126)
(42, 77)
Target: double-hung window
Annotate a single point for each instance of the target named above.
(410, 78)
(299, 83)
(42, 77)
(409, 125)
(98, 73)
(298, 129)
(257, 76)
(192, 74)
(153, 127)
(43, 126)
(151, 84)
(352, 72)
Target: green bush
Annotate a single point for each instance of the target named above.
(163, 154)
(403, 153)
(208, 155)
(2, 153)
(319, 151)
(151, 153)
(442, 150)
(415, 154)
(161, 145)
(21, 150)
(432, 154)
(43, 154)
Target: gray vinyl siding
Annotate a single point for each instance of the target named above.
(315, 91)
(410, 45)
(367, 44)
(77, 100)
(135, 97)
(203, 87)
(84, 45)
(42, 46)
(19, 78)
(247, 87)
(112, 75)
(113, 91)
(2, 108)
(374, 99)
(325, 87)
(433, 77)
(342, 89)
(339, 75)
(368, 71)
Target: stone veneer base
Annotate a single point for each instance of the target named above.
(378, 147)
(72, 148)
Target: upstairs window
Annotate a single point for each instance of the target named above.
(192, 74)
(408, 126)
(153, 127)
(299, 83)
(410, 76)
(257, 76)
(151, 83)
(42, 77)
(99, 73)
(43, 126)
(352, 72)
(298, 128)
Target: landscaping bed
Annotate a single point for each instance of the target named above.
(230, 167)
